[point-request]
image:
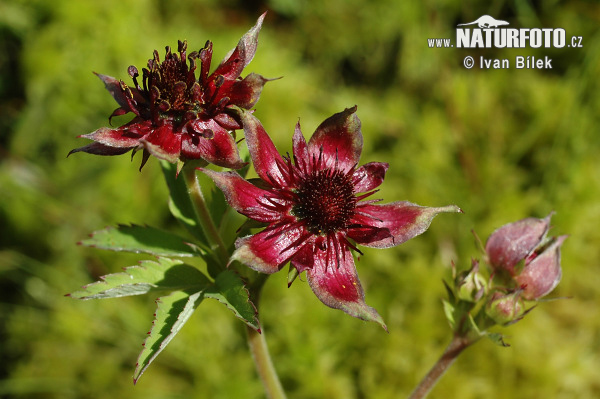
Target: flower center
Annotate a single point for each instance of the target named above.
(325, 201)
(171, 84)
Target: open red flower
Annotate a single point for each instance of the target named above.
(316, 209)
(178, 116)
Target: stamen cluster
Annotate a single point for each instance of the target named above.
(325, 201)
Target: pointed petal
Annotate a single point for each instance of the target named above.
(100, 149)
(300, 149)
(205, 57)
(163, 143)
(265, 156)
(542, 274)
(243, 196)
(226, 121)
(511, 243)
(369, 176)
(246, 92)
(119, 138)
(304, 258)
(340, 140)
(403, 220)
(334, 281)
(269, 250)
(114, 88)
(220, 149)
(237, 59)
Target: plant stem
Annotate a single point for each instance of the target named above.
(455, 348)
(256, 340)
(203, 214)
(264, 364)
(258, 346)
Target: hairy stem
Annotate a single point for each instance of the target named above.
(455, 348)
(203, 215)
(260, 350)
(256, 340)
(264, 364)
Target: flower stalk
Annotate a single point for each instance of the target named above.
(264, 365)
(256, 339)
(203, 215)
(458, 344)
(259, 348)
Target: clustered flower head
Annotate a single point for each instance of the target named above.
(316, 209)
(179, 116)
(521, 253)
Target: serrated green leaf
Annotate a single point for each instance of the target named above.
(172, 312)
(180, 204)
(229, 289)
(163, 275)
(141, 239)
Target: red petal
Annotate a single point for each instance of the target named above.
(113, 137)
(219, 150)
(243, 196)
(403, 220)
(270, 249)
(114, 87)
(226, 121)
(334, 281)
(163, 143)
(511, 243)
(339, 139)
(369, 176)
(262, 150)
(300, 149)
(100, 149)
(245, 93)
(241, 55)
(543, 274)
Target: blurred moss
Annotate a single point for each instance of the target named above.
(500, 144)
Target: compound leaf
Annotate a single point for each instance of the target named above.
(162, 275)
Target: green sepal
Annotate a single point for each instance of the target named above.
(450, 292)
(497, 338)
(162, 275)
(449, 312)
(141, 239)
(292, 274)
(229, 289)
(172, 312)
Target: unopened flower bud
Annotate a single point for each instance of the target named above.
(542, 271)
(471, 285)
(505, 308)
(513, 242)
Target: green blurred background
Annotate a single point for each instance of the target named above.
(501, 144)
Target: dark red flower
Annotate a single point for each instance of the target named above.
(315, 204)
(178, 116)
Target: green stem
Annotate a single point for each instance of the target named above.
(264, 364)
(455, 348)
(203, 215)
(258, 346)
(256, 340)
